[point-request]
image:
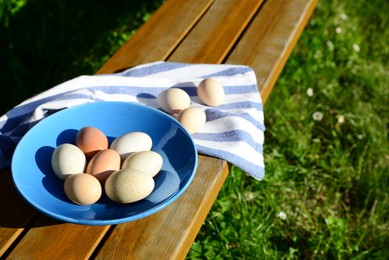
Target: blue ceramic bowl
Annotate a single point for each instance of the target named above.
(37, 183)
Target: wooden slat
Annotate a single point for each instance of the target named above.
(45, 237)
(212, 38)
(183, 219)
(51, 239)
(155, 40)
(185, 16)
(169, 233)
(271, 38)
(170, 35)
(15, 212)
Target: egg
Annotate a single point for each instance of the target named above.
(91, 140)
(193, 119)
(149, 162)
(128, 185)
(67, 159)
(173, 100)
(103, 164)
(83, 189)
(131, 142)
(210, 92)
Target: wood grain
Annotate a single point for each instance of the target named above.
(169, 233)
(39, 237)
(267, 45)
(260, 34)
(172, 231)
(159, 36)
(15, 212)
(51, 239)
(216, 32)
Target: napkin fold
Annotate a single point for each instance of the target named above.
(234, 131)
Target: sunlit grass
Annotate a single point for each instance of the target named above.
(326, 151)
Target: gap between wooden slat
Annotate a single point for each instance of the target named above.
(218, 30)
(109, 67)
(282, 23)
(174, 19)
(15, 220)
(207, 159)
(53, 239)
(208, 179)
(17, 236)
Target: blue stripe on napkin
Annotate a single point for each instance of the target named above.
(234, 130)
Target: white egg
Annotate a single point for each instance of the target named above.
(193, 119)
(211, 92)
(67, 159)
(128, 185)
(149, 162)
(130, 143)
(173, 100)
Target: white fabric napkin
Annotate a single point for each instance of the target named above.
(234, 131)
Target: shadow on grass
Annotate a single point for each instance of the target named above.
(44, 43)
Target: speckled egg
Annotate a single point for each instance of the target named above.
(128, 185)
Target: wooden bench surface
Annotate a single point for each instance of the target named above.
(257, 33)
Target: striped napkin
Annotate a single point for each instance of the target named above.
(234, 131)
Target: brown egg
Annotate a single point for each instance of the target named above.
(91, 140)
(193, 119)
(82, 188)
(103, 164)
(211, 92)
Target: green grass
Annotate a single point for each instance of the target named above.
(325, 194)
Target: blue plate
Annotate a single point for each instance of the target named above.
(37, 183)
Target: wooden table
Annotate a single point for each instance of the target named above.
(257, 33)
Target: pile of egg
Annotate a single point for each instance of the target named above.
(124, 170)
(176, 102)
